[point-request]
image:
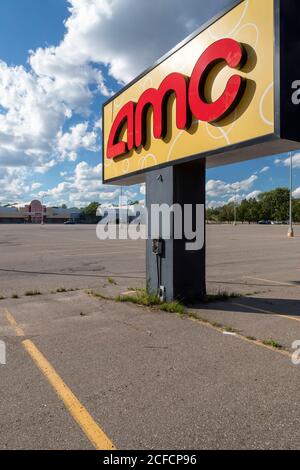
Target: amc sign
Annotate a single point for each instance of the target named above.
(224, 95)
(190, 100)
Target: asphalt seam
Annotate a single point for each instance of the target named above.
(206, 323)
(256, 342)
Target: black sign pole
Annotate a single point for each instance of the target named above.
(173, 271)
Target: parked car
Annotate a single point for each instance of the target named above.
(69, 222)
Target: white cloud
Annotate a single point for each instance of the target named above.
(36, 102)
(287, 161)
(107, 196)
(218, 188)
(98, 124)
(125, 35)
(265, 169)
(143, 189)
(84, 186)
(32, 120)
(214, 204)
(242, 196)
(64, 74)
(296, 193)
(35, 186)
(253, 195)
(77, 138)
(14, 185)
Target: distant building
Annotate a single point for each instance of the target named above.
(123, 213)
(35, 212)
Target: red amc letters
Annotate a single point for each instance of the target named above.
(190, 99)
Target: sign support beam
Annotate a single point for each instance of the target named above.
(180, 272)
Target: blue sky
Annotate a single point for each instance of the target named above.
(59, 60)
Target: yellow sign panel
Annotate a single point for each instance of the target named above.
(249, 24)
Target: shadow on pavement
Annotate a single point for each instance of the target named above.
(271, 306)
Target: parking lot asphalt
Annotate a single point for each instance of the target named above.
(84, 372)
(245, 259)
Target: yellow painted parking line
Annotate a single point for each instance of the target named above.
(80, 414)
(91, 429)
(271, 282)
(13, 323)
(269, 312)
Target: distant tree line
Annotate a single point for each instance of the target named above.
(89, 213)
(269, 206)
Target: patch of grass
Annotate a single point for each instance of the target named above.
(172, 307)
(32, 293)
(141, 294)
(61, 290)
(141, 297)
(110, 280)
(229, 329)
(271, 342)
(15, 296)
(251, 338)
(193, 316)
(220, 297)
(216, 324)
(146, 299)
(98, 295)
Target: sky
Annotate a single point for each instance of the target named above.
(59, 61)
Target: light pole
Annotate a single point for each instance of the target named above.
(42, 220)
(121, 209)
(291, 229)
(235, 189)
(235, 208)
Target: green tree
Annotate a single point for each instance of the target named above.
(296, 210)
(272, 205)
(255, 210)
(213, 214)
(243, 211)
(275, 204)
(227, 213)
(91, 210)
